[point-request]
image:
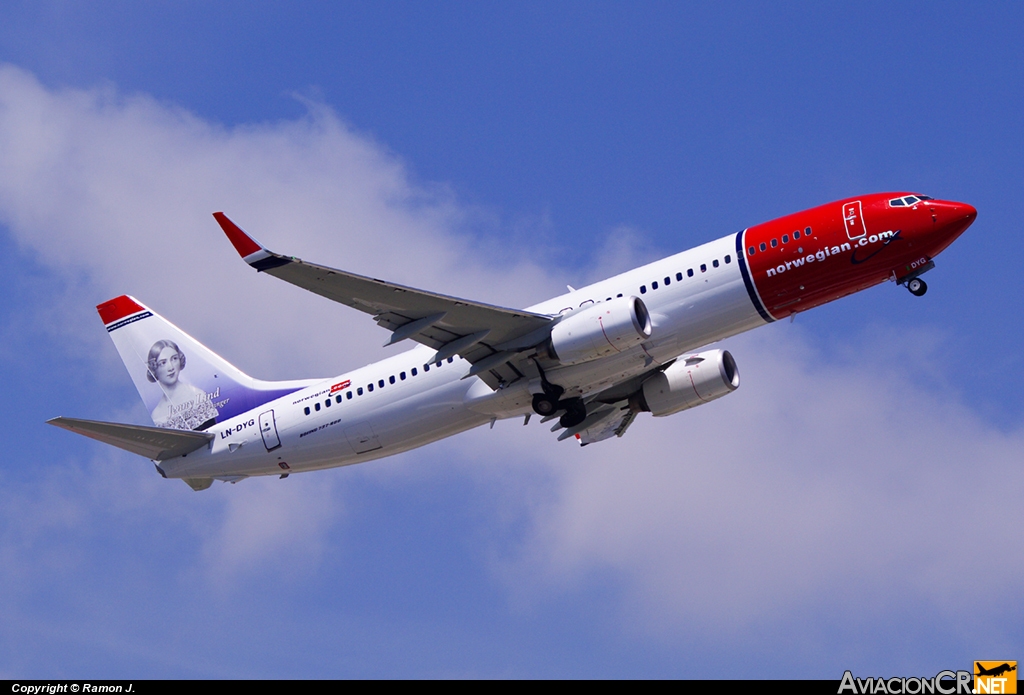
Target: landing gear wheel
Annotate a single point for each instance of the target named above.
(543, 405)
(917, 287)
(575, 413)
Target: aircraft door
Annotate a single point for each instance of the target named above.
(268, 428)
(853, 216)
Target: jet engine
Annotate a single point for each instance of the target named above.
(600, 330)
(690, 381)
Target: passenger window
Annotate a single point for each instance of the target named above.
(796, 235)
(728, 259)
(689, 272)
(750, 251)
(643, 289)
(317, 407)
(328, 403)
(348, 395)
(426, 367)
(438, 364)
(414, 371)
(306, 410)
(450, 360)
(654, 285)
(763, 247)
(807, 231)
(359, 391)
(679, 276)
(703, 267)
(337, 399)
(668, 281)
(715, 263)
(775, 242)
(369, 387)
(785, 238)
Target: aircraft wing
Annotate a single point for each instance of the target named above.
(486, 336)
(156, 443)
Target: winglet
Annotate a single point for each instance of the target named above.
(243, 243)
(251, 251)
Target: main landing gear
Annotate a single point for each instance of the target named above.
(544, 405)
(917, 287)
(551, 401)
(575, 409)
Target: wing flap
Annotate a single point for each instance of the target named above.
(611, 427)
(156, 443)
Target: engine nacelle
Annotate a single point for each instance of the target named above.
(690, 381)
(600, 330)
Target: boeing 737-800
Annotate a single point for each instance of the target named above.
(592, 359)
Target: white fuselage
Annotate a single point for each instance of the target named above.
(419, 403)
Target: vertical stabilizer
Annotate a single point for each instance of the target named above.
(184, 384)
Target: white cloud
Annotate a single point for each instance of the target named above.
(271, 525)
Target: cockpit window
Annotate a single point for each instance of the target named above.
(908, 200)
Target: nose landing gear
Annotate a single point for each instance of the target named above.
(917, 287)
(913, 281)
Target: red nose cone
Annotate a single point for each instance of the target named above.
(950, 220)
(948, 212)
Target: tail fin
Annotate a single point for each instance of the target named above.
(184, 384)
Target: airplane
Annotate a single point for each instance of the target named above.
(994, 671)
(591, 359)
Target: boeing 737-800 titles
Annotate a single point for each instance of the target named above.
(592, 359)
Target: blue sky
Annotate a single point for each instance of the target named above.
(838, 511)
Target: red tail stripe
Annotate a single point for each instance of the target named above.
(118, 308)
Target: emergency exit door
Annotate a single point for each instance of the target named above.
(268, 428)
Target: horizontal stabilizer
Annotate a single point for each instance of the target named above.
(154, 443)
